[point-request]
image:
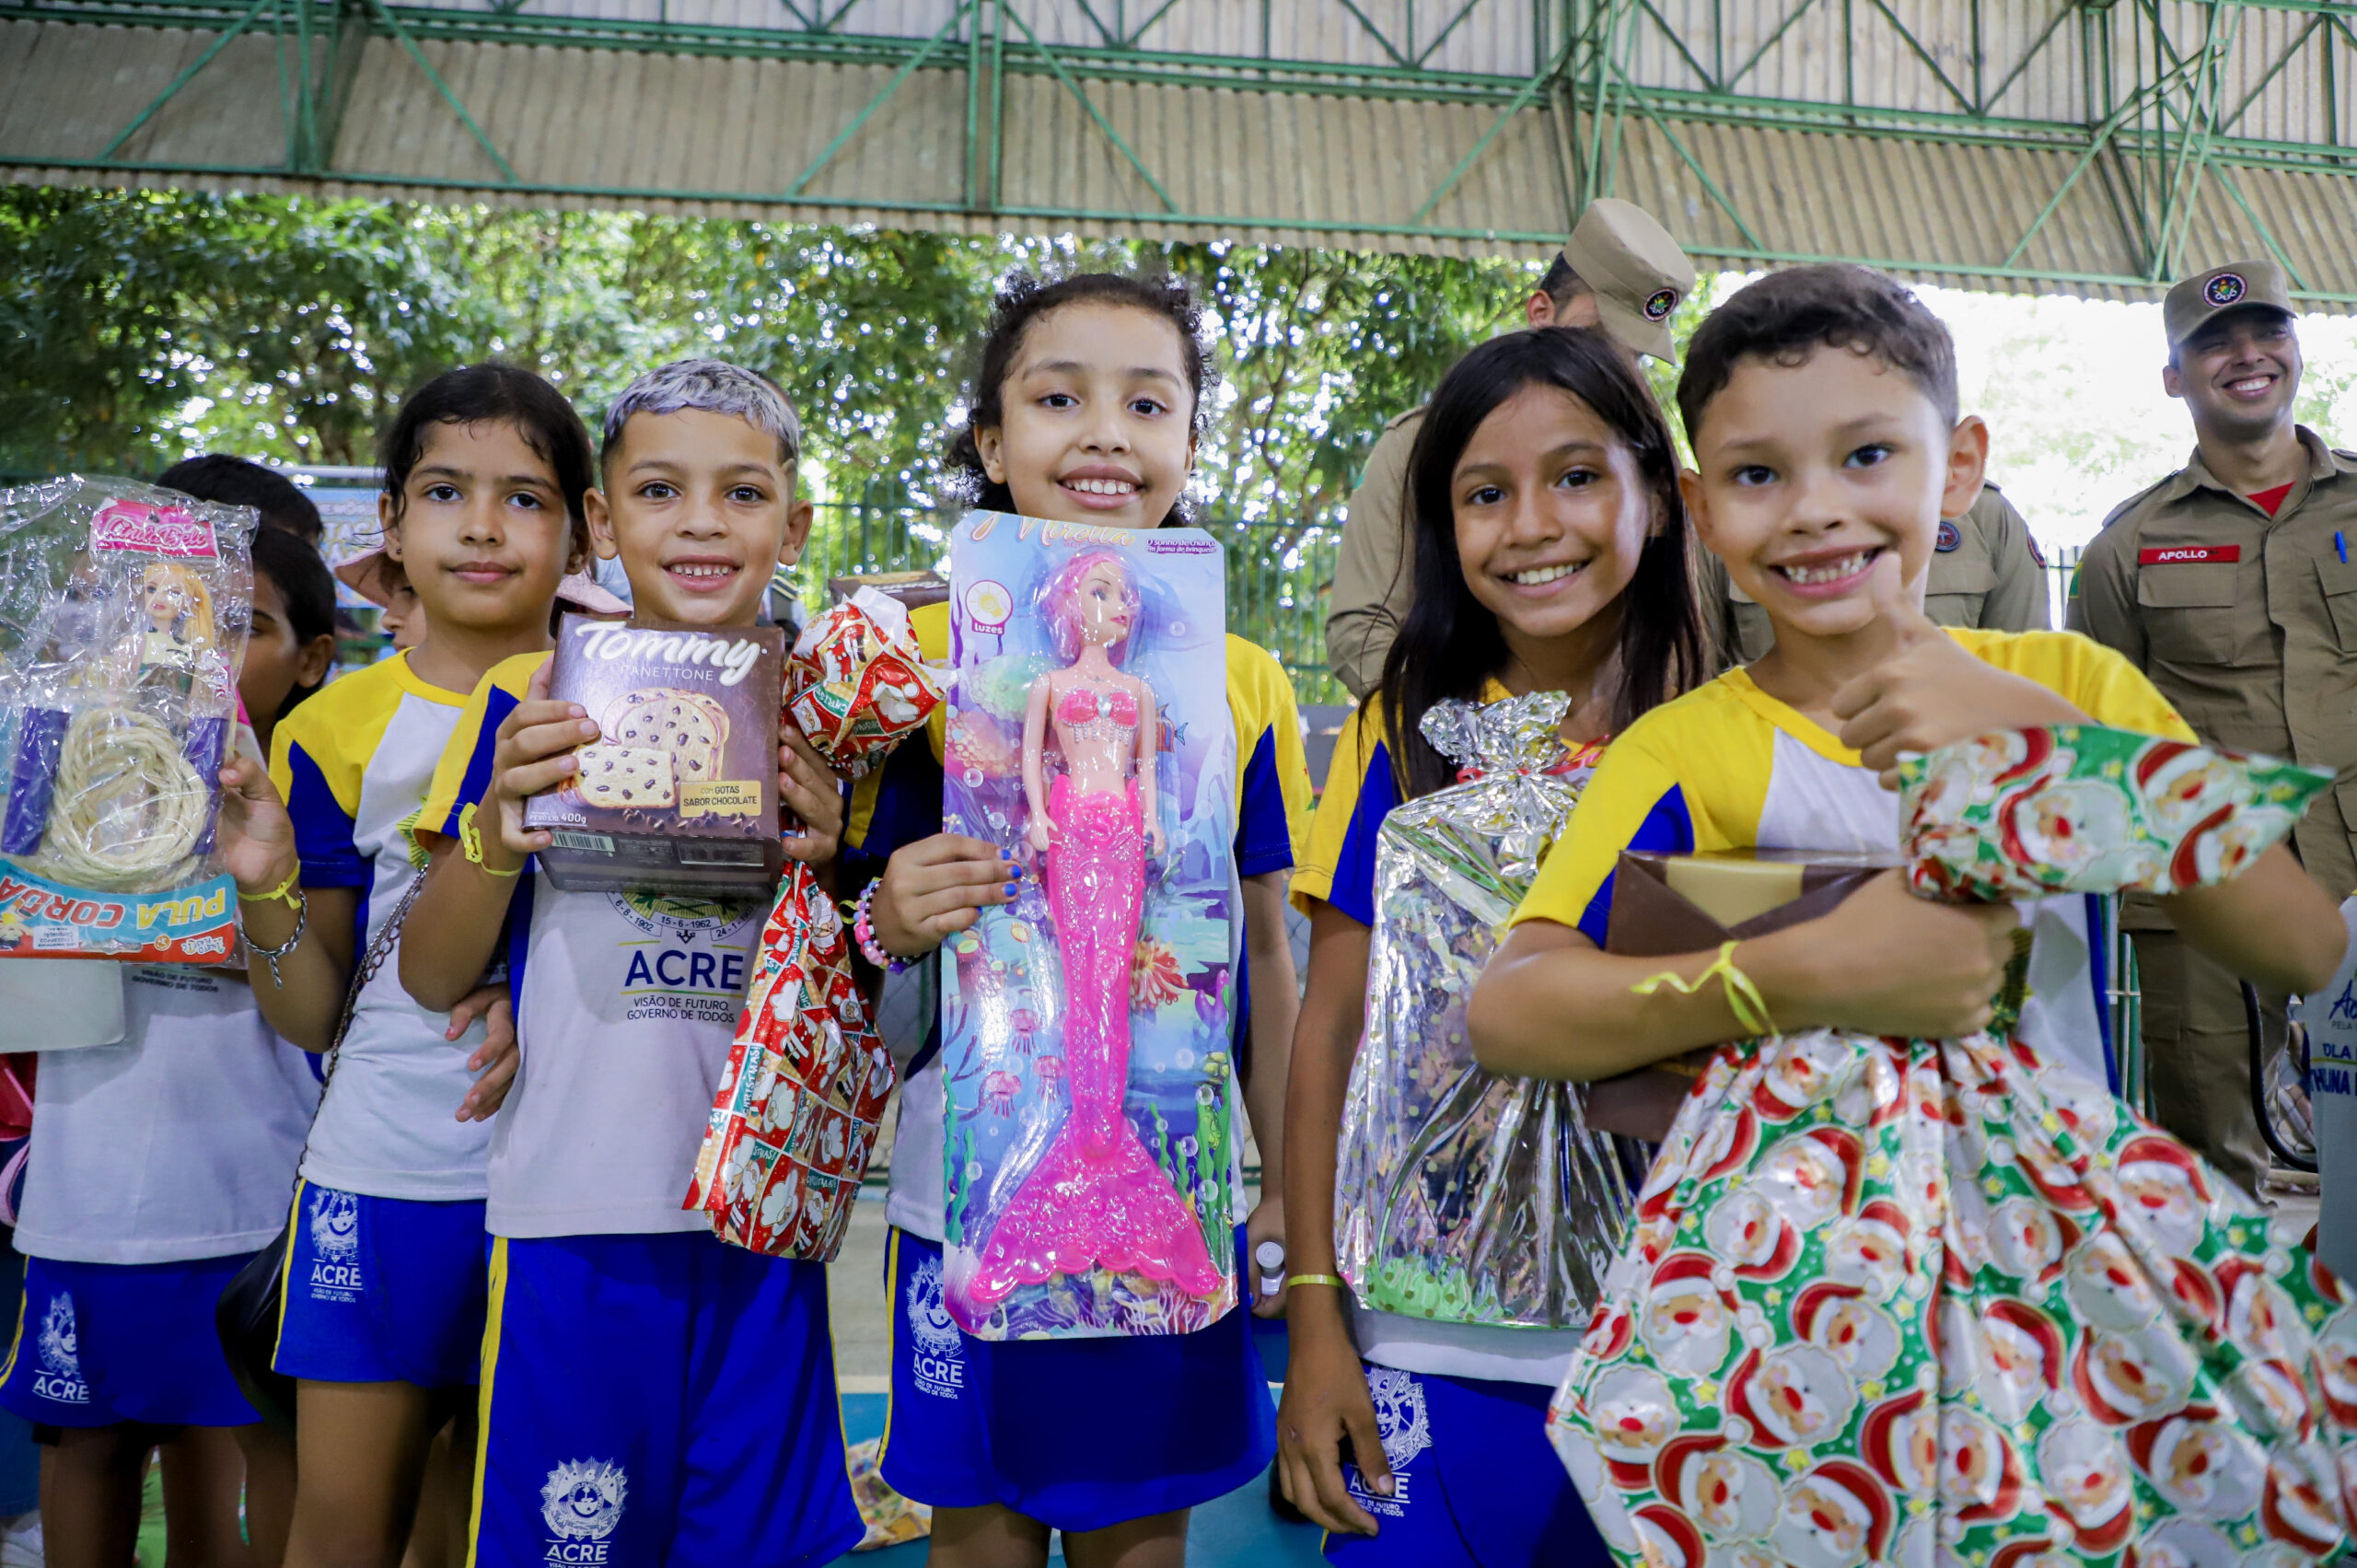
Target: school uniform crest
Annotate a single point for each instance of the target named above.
(1400, 1419)
(58, 1344)
(582, 1500)
(61, 1345)
(335, 1225)
(931, 1327)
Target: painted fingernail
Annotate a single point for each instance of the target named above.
(1017, 872)
(1010, 890)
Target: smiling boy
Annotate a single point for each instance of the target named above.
(1821, 404)
(649, 1394)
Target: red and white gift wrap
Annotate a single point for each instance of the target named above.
(796, 1117)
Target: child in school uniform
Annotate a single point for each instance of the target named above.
(1085, 409)
(1550, 552)
(158, 1165)
(381, 1319)
(1821, 404)
(649, 1393)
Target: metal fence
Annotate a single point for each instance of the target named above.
(1277, 574)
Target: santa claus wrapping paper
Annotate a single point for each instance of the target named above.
(1944, 1302)
(796, 1115)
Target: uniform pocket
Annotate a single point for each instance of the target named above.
(2190, 613)
(1956, 590)
(2340, 597)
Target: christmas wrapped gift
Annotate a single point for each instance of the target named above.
(1459, 1194)
(1940, 1302)
(795, 1116)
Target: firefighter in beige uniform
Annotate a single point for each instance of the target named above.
(1986, 572)
(1619, 270)
(2230, 585)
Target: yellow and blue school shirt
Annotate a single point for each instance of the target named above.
(1728, 767)
(625, 1005)
(1338, 869)
(900, 804)
(353, 762)
(1337, 863)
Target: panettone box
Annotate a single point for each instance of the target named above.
(678, 791)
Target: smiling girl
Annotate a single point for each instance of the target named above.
(486, 469)
(1086, 410)
(1550, 554)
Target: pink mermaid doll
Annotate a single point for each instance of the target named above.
(1095, 1198)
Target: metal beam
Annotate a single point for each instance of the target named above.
(2160, 115)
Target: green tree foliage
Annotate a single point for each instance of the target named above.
(136, 326)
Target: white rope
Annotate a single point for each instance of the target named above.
(125, 808)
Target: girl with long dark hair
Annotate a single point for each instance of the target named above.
(1550, 553)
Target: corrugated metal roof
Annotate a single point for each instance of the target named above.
(719, 135)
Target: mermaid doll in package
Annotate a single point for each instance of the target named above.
(1095, 1198)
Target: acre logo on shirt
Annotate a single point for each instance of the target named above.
(938, 1358)
(60, 1375)
(335, 1246)
(581, 1503)
(1406, 1430)
(688, 967)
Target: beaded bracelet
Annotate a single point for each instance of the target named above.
(863, 930)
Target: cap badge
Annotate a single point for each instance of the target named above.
(1951, 537)
(1662, 302)
(2225, 289)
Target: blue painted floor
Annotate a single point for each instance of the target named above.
(1237, 1530)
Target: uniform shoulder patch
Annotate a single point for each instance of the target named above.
(1950, 537)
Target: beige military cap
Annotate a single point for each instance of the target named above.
(1637, 271)
(2195, 300)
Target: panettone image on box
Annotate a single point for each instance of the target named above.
(678, 790)
(657, 744)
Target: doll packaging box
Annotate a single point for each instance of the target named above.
(678, 791)
(123, 613)
(1091, 1149)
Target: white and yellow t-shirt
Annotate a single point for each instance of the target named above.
(353, 763)
(625, 1005)
(1727, 766)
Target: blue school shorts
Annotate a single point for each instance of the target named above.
(1475, 1482)
(1172, 1420)
(382, 1290)
(653, 1400)
(99, 1344)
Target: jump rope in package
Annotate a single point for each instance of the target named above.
(1917, 1301)
(123, 612)
(1461, 1195)
(1091, 1159)
(795, 1119)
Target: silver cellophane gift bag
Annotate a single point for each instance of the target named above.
(1461, 1195)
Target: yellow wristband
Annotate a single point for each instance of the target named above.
(1743, 997)
(284, 893)
(1337, 1280)
(470, 844)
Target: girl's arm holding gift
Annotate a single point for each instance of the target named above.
(1326, 1403)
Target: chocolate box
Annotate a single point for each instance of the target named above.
(678, 791)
